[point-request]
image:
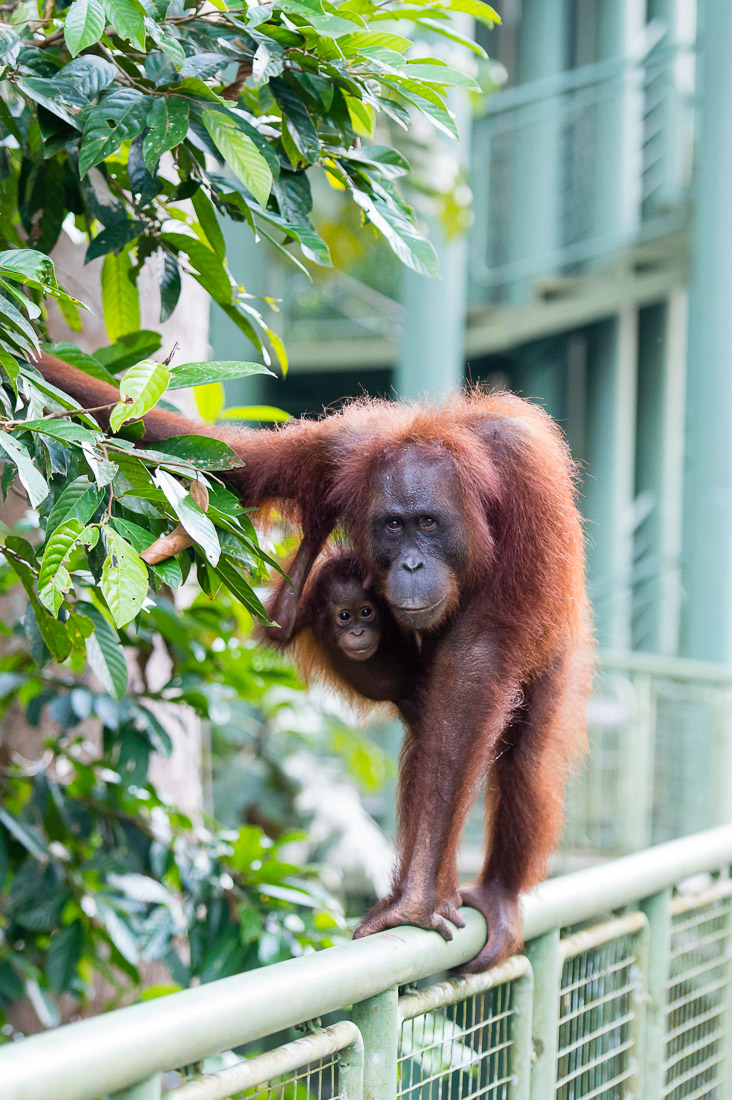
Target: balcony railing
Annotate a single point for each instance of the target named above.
(624, 990)
(567, 172)
(660, 755)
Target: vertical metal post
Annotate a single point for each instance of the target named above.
(546, 964)
(660, 471)
(146, 1090)
(609, 484)
(618, 131)
(707, 577)
(543, 375)
(672, 73)
(657, 909)
(378, 1021)
(637, 776)
(350, 1071)
(523, 993)
(432, 347)
(537, 162)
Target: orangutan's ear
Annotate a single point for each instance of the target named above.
(366, 582)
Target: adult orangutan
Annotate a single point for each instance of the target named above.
(463, 516)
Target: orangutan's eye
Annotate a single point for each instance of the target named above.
(344, 616)
(367, 613)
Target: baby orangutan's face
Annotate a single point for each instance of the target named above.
(354, 620)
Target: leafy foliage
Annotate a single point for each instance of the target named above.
(136, 125)
(112, 115)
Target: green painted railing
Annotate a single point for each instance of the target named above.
(659, 764)
(624, 991)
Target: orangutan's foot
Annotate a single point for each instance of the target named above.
(392, 912)
(501, 911)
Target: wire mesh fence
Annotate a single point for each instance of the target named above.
(600, 1010)
(323, 1065)
(463, 1038)
(635, 1007)
(658, 765)
(698, 1003)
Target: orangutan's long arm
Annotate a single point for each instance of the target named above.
(290, 463)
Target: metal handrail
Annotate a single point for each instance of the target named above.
(673, 668)
(115, 1051)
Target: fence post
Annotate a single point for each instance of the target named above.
(378, 1021)
(546, 963)
(657, 909)
(350, 1071)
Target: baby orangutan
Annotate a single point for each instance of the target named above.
(343, 633)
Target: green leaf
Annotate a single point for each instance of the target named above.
(240, 153)
(128, 350)
(439, 74)
(31, 839)
(114, 238)
(89, 75)
(263, 413)
(120, 116)
(168, 122)
(81, 359)
(202, 452)
(168, 571)
(120, 298)
(64, 955)
(119, 932)
(32, 479)
(105, 654)
(210, 400)
(65, 430)
(483, 12)
(414, 251)
(206, 214)
(298, 120)
(141, 388)
(53, 579)
(17, 323)
(29, 265)
(128, 19)
(209, 269)
(79, 500)
(170, 285)
(124, 579)
(239, 588)
(84, 25)
(195, 522)
(201, 374)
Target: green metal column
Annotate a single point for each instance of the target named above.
(707, 556)
(379, 1023)
(618, 130)
(658, 913)
(608, 485)
(659, 473)
(546, 964)
(543, 375)
(432, 347)
(668, 137)
(536, 184)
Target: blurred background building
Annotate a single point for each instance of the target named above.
(585, 241)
